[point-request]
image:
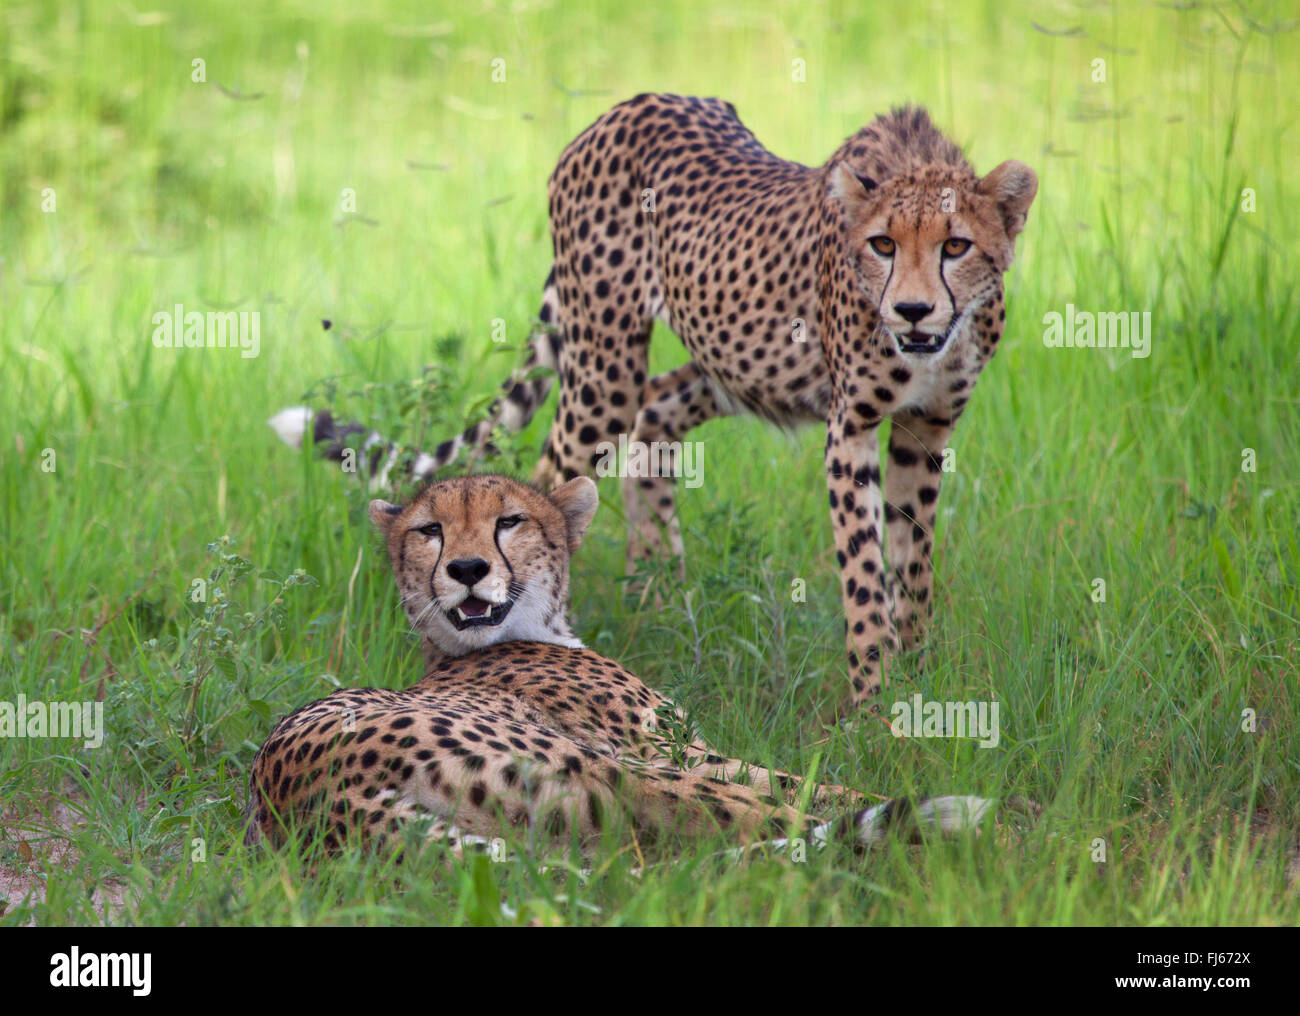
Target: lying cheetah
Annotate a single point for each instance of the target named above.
(866, 288)
(515, 722)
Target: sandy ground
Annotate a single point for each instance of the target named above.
(41, 841)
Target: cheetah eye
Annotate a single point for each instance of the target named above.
(882, 245)
(509, 521)
(432, 529)
(955, 247)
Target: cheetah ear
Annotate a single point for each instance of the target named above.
(382, 514)
(577, 501)
(850, 188)
(1013, 186)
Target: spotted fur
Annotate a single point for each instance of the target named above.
(864, 289)
(516, 723)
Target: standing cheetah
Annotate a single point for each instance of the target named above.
(515, 722)
(866, 288)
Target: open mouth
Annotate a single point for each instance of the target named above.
(919, 342)
(475, 613)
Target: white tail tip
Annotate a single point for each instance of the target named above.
(953, 814)
(291, 425)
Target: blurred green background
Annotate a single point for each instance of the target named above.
(201, 154)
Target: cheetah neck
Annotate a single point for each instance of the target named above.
(551, 630)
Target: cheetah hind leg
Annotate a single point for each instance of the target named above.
(675, 403)
(407, 825)
(693, 802)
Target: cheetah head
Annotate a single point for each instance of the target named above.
(929, 247)
(485, 559)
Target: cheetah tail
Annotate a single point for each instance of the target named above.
(375, 456)
(913, 821)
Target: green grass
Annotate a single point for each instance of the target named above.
(1123, 717)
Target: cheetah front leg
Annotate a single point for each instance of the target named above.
(674, 403)
(853, 478)
(916, 445)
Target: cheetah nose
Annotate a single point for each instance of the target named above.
(467, 571)
(912, 312)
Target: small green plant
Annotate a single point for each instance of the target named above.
(225, 637)
(410, 414)
(675, 733)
